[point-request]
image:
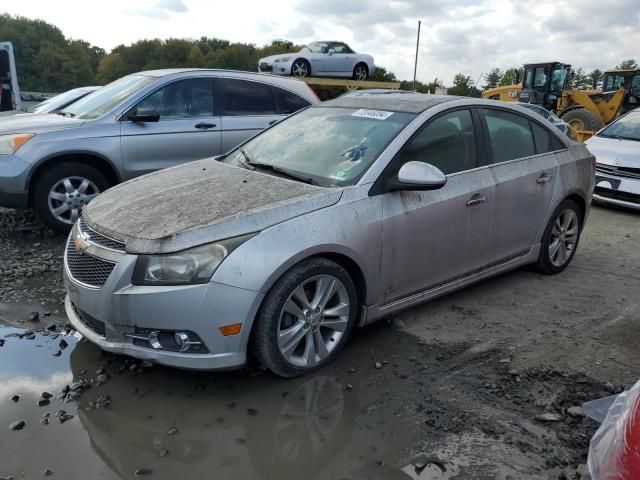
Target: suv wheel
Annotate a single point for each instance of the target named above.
(62, 191)
(306, 318)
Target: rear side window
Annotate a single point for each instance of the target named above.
(447, 142)
(243, 97)
(510, 135)
(544, 141)
(289, 102)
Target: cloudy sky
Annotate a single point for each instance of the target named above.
(468, 36)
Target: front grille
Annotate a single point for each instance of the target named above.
(265, 67)
(628, 172)
(90, 322)
(85, 268)
(99, 239)
(617, 195)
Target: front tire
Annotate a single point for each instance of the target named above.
(581, 119)
(560, 238)
(62, 191)
(301, 68)
(306, 318)
(360, 72)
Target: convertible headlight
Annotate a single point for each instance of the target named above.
(285, 59)
(10, 143)
(192, 266)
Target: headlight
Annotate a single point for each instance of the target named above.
(192, 266)
(10, 143)
(285, 59)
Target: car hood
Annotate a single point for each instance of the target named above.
(273, 58)
(619, 153)
(197, 203)
(36, 123)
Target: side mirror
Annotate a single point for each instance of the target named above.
(331, 51)
(143, 115)
(417, 176)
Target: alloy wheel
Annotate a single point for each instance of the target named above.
(68, 197)
(564, 237)
(300, 69)
(360, 73)
(313, 320)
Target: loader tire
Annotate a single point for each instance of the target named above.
(582, 119)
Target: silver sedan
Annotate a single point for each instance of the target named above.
(340, 215)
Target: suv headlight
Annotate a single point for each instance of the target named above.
(10, 143)
(188, 267)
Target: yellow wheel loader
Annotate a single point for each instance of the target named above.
(587, 111)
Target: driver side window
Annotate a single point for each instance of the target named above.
(191, 98)
(448, 142)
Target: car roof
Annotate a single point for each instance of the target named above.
(409, 102)
(176, 71)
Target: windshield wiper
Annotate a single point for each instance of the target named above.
(283, 172)
(247, 163)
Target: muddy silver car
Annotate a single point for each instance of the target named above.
(340, 215)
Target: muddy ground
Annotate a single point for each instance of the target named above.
(461, 386)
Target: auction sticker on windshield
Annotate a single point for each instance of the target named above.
(377, 114)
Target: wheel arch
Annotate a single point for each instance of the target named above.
(582, 203)
(93, 159)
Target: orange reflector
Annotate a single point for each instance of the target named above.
(232, 329)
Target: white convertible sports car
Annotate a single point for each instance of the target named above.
(320, 59)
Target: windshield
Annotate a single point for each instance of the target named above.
(106, 98)
(328, 146)
(59, 101)
(317, 47)
(625, 128)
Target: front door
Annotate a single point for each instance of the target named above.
(433, 237)
(524, 171)
(339, 61)
(247, 107)
(187, 130)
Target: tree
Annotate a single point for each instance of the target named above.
(111, 67)
(493, 78)
(463, 85)
(381, 74)
(595, 77)
(195, 58)
(509, 77)
(579, 79)
(630, 64)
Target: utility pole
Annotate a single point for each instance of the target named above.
(415, 66)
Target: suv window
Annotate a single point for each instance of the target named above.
(188, 98)
(510, 135)
(289, 102)
(447, 142)
(243, 97)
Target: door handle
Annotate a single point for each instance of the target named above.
(544, 178)
(205, 126)
(476, 200)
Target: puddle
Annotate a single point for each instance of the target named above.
(177, 423)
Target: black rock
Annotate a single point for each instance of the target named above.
(43, 402)
(51, 327)
(253, 412)
(1, 342)
(47, 395)
(33, 317)
(15, 398)
(102, 378)
(142, 472)
(64, 418)
(18, 425)
(47, 473)
(63, 344)
(44, 421)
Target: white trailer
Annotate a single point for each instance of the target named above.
(9, 90)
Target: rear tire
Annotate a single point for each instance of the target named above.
(560, 239)
(582, 119)
(292, 337)
(72, 185)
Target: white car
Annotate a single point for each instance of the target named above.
(320, 59)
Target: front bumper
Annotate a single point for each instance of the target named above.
(13, 179)
(110, 314)
(623, 191)
(275, 68)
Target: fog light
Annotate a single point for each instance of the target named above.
(183, 341)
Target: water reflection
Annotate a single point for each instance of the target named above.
(229, 425)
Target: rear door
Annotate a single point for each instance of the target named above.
(187, 130)
(524, 171)
(433, 237)
(246, 107)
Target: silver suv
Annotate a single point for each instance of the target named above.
(57, 163)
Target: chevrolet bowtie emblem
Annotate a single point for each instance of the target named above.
(80, 242)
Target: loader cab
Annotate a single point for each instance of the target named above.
(543, 83)
(627, 79)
